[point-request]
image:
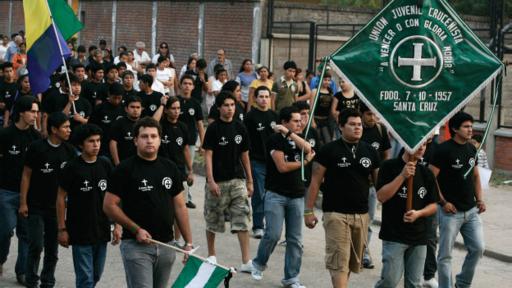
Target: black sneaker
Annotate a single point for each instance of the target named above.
(190, 205)
(368, 264)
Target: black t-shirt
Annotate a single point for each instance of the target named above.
(150, 102)
(13, 146)
(227, 141)
(146, 189)
(191, 112)
(174, 141)
(7, 93)
(346, 180)
(377, 138)
(104, 116)
(314, 140)
(343, 103)
(83, 107)
(122, 132)
(129, 93)
(86, 184)
(289, 183)
(239, 112)
(453, 161)
(95, 91)
(46, 162)
(323, 108)
(54, 101)
(424, 193)
(260, 125)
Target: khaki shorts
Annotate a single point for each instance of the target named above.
(233, 196)
(345, 236)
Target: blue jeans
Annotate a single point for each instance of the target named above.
(146, 266)
(9, 218)
(398, 259)
(89, 261)
(259, 171)
(279, 209)
(469, 225)
(42, 232)
(372, 207)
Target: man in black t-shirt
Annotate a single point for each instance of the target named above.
(78, 108)
(345, 165)
(404, 233)
(175, 140)
(106, 113)
(150, 99)
(145, 197)
(8, 90)
(284, 198)
(461, 201)
(259, 122)
(226, 145)
(375, 134)
(80, 217)
(121, 142)
(14, 141)
(94, 90)
(38, 193)
(128, 79)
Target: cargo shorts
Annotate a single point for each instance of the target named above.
(233, 196)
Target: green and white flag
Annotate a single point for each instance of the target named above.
(199, 274)
(415, 66)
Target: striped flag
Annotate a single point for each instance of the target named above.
(199, 274)
(43, 53)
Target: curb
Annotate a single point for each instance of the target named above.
(487, 252)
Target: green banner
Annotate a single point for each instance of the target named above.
(415, 66)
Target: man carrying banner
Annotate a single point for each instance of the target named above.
(345, 166)
(404, 233)
(461, 201)
(149, 188)
(284, 197)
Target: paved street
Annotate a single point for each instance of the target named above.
(490, 273)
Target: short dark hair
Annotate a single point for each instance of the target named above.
(80, 49)
(146, 122)
(186, 76)
(146, 78)
(201, 63)
(23, 104)
(285, 114)
(121, 65)
(131, 99)
(7, 65)
(55, 120)
(363, 107)
(85, 131)
(347, 113)
(456, 121)
(95, 67)
(150, 66)
(124, 53)
(111, 67)
(302, 105)
(218, 71)
(170, 101)
(230, 86)
(261, 88)
(73, 79)
(289, 64)
(478, 138)
(222, 96)
(76, 66)
(126, 73)
(161, 59)
(115, 89)
(92, 48)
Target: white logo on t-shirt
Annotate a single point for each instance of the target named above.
(344, 163)
(179, 141)
(167, 182)
(223, 141)
(457, 164)
(128, 136)
(14, 151)
(145, 187)
(273, 124)
(191, 111)
(403, 192)
(86, 187)
(82, 113)
(165, 140)
(260, 127)
(46, 168)
(472, 161)
(105, 119)
(422, 192)
(152, 107)
(102, 184)
(241, 116)
(365, 162)
(63, 164)
(238, 139)
(312, 142)
(376, 145)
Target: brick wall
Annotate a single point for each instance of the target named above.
(97, 22)
(133, 23)
(503, 159)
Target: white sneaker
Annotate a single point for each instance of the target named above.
(247, 267)
(256, 273)
(258, 233)
(295, 285)
(432, 283)
(212, 259)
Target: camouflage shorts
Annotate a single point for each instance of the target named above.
(233, 197)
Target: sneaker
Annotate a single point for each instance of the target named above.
(368, 263)
(247, 267)
(295, 285)
(212, 259)
(20, 278)
(190, 205)
(256, 273)
(258, 233)
(431, 283)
